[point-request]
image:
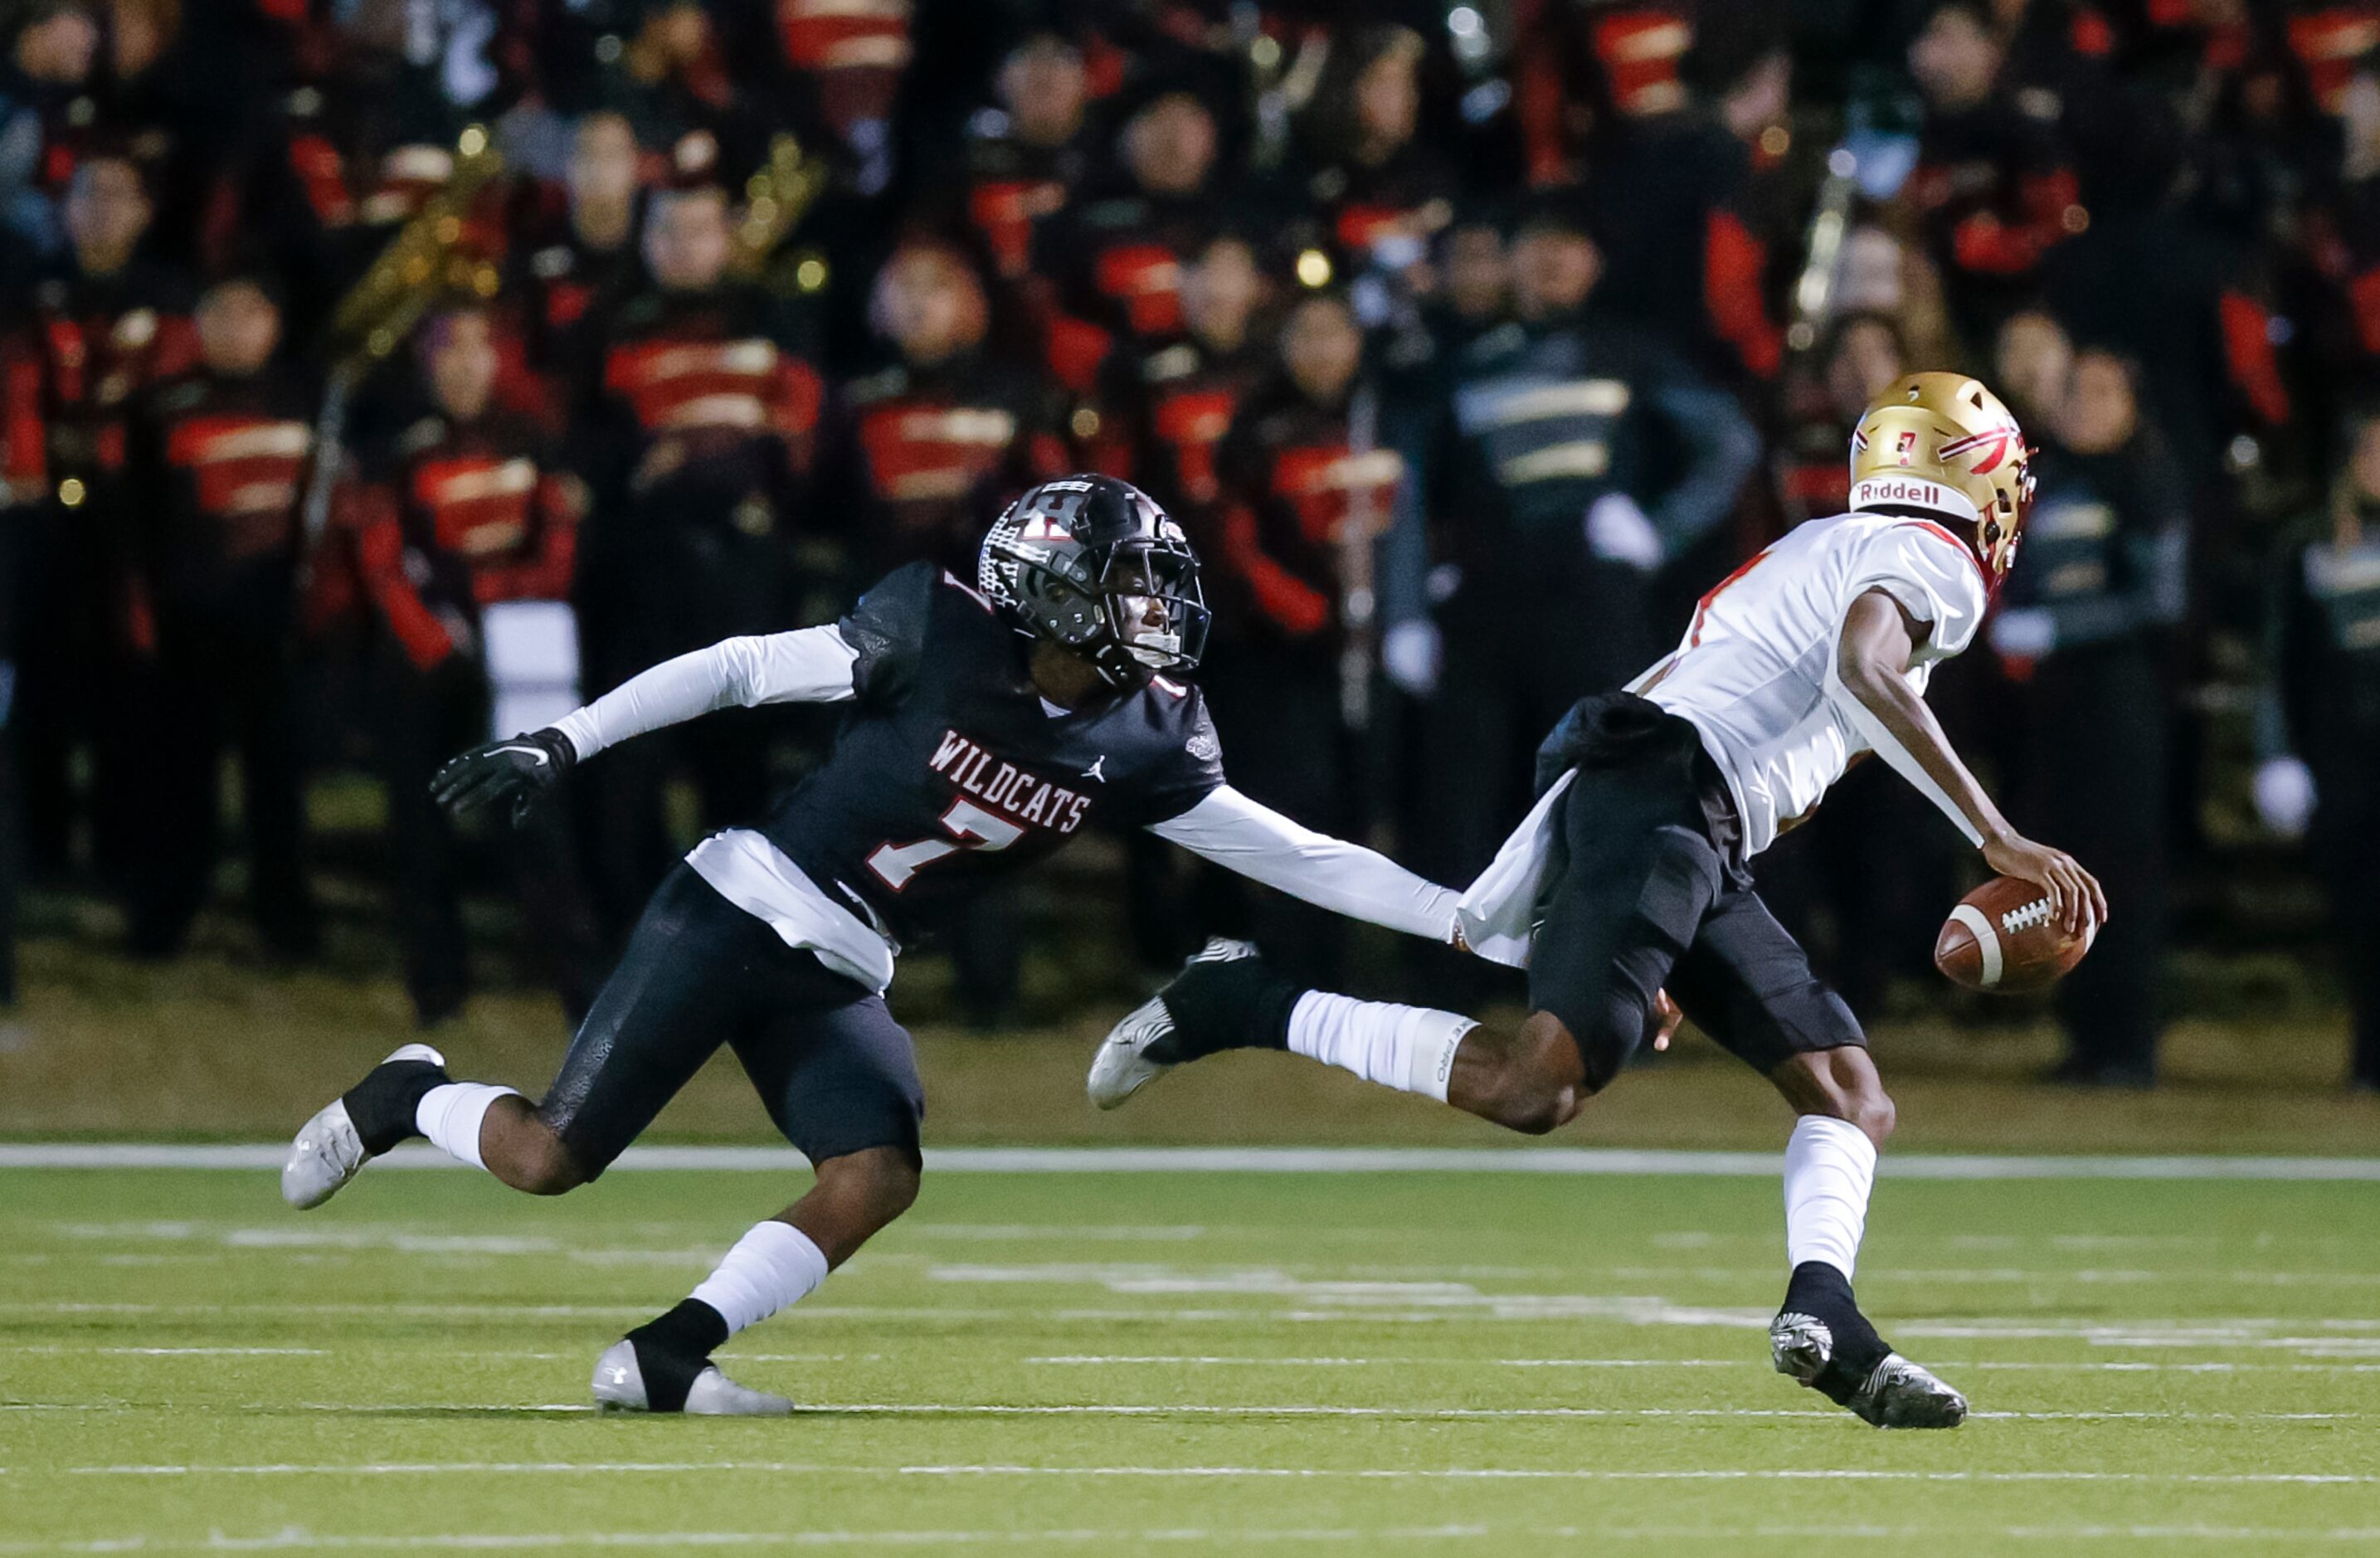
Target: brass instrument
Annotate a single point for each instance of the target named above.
(425, 261)
(775, 201)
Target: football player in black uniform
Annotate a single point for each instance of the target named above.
(990, 723)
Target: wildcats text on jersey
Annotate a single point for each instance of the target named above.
(1006, 787)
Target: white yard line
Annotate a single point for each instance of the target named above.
(2340, 1338)
(1266, 1160)
(2082, 1367)
(1251, 1411)
(1190, 1360)
(1383, 1474)
(296, 1540)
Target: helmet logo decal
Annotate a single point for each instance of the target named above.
(1996, 440)
(1907, 447)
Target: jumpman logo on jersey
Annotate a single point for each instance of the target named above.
(1097, 770)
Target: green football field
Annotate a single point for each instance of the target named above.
(1490, 1363)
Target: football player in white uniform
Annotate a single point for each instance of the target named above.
(1630, 876)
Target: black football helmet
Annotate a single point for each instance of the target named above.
(1085, 561)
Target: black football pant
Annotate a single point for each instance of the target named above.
(2091, 783)
(835, 1072)
(1647, 893)
(428, 717)
(216, 686)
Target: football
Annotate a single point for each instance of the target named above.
(2001, 939)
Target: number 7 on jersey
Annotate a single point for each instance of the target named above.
(970, 827)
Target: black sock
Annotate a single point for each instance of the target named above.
(672, 1350)
(1823, 1292)
(1241, 1004)
(383, 1104)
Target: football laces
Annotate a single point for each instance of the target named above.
(2025, 918)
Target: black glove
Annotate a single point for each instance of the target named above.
(523, 770)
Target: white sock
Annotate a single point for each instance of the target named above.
(772, 1267)
(1409, 1048)
(1830, 1167)
(450, 1115)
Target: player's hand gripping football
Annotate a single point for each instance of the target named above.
(522, 771)
(2075, 898)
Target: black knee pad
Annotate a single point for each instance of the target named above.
(1683, 883)
(1616, 1029)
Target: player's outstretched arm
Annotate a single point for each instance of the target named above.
(1260, 844)
(813, 665)
(1880, 641)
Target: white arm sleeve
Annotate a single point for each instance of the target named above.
(813, 665)
(1263, 845)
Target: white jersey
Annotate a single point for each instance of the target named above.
(1755, 673)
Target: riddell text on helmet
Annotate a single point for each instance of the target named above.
(1870, 491)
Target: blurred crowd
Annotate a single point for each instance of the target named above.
(1472, 343)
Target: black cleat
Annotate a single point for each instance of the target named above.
(1139, 1049)
(1894, 1393)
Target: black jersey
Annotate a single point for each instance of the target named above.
(950, 771)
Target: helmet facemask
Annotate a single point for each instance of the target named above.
(1132, 605)
(2002, 526)
(1154, 608)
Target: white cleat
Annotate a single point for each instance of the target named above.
(1896, 1393)
(1122, 1067)
(327, 1152)
(620, 1387)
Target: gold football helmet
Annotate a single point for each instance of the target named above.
(1943, 445)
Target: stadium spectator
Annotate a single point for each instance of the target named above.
(1164, 404)
(1043, 240)
(1113, 258)
(1671, 189)
(2319, 737)
(1477, 277)
(569, 266)
(2034, 359)
(1028, 155)
(462, 510)
(2081, 628)
(1995, 189)
(215, 466)
(698, 450)
(1538, 475)
(847, 61)
(1361, 181)
(1860, 355)
(1306, 491)
(107, 325)
(677, 84)
(45, 112)
(925, 441)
